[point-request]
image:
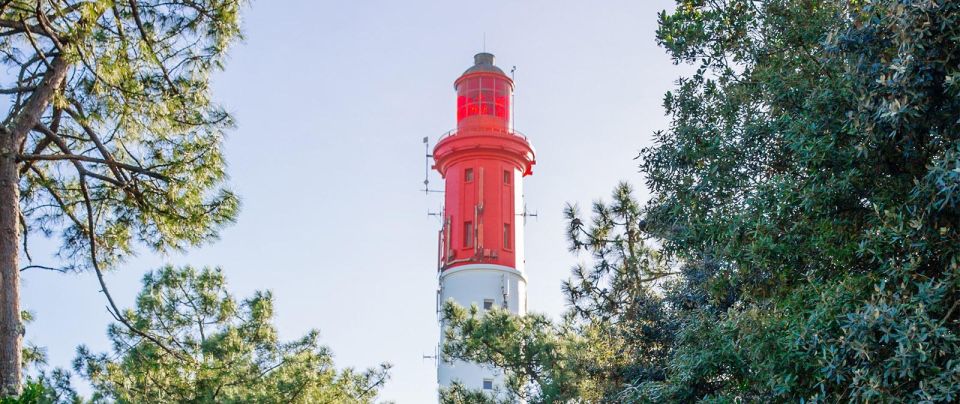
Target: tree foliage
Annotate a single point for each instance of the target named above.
(805, 213)
(220, 350)
(111, 139)
(128, 142)
(615, 332)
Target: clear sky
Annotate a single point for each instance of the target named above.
(332, 99)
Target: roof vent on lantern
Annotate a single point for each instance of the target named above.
(483, 62)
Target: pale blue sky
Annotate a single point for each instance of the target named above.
(332, 99)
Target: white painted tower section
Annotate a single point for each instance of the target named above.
(475, 284)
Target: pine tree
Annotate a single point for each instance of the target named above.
(111, 140)
(215, 349)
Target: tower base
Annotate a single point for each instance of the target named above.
(486, 286)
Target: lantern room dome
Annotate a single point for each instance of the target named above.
(483, 94)
(483, 62)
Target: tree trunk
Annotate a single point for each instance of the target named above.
(11, 330)
(11, 327)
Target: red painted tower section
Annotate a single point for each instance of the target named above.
(483, 162)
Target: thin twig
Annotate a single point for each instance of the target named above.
(61, 270)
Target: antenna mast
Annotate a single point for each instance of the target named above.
(426, 168)
(526, 213)
(513, 99)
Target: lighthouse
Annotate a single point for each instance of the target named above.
(481, 253)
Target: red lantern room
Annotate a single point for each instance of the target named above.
(483, 162)
(483, 91)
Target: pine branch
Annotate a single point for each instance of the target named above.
(112, 308)
(60, 157)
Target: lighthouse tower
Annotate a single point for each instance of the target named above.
(483, 162)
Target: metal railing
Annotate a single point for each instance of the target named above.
(496, 130)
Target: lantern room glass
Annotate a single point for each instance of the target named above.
(483, 95)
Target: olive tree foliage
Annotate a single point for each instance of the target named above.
(221, 350)
(807, 193)
(111, 139)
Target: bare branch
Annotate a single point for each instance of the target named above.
(16, 26)
(45, 25)
(60, 270)
(17, 90)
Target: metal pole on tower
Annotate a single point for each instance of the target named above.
(513, 99)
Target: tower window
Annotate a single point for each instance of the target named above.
(467, 234)
(506, 177)
(468, 175)
(506, 236)
(487, 384)
(487, 304)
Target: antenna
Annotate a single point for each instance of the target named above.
(526, 214)
(438, 215)
(513, 99)
(435, 356)
(426, 168)
(484, 41)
